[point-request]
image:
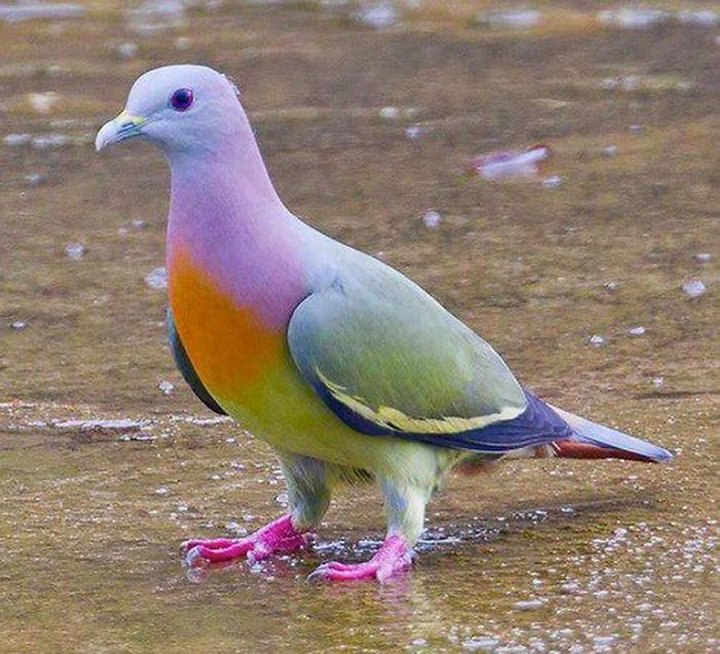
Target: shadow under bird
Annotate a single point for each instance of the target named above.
(343, 365)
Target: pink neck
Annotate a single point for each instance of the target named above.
(226, 215)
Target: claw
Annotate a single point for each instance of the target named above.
(211, 554)
(194, 558)
(393, 557)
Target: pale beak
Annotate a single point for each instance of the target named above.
(122, 127)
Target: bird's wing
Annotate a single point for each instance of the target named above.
(185, 366)
(389, 360)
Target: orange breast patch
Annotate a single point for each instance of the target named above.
(227, 344)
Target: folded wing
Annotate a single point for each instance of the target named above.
(389, 360)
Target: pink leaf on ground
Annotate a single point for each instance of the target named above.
(509, 163)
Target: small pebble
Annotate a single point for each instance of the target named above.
(432, 219)
(513, 18)
(609, 83)
(163, 490)
(693, 288)
(75, 251)
(127, 50)
(698, 17)
(35, 179)
(390, 113)
(658, 381)
(413, 132)
(19, 325)
(236, 528)
(602, 594)
(43, 103)
(166, 387)
(636, 331)
(528, 605)
(553, 181)
(633, 18)
(157, 279)
(596, 340)
(13, 140)
(603, 641)
(17, 12)
(484, 643)
(703, 257)
(150, 17)
(610, 150)
(45, 141)
(380, 15)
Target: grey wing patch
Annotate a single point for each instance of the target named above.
(185, 366)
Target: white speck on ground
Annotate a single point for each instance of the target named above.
(157, 279)
(694, 288)
(75, 251)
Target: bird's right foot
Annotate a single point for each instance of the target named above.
(278, 537)
(393, 557)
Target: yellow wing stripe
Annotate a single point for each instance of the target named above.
(394, 419)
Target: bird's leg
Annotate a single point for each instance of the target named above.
(405, 506)
(309, 497)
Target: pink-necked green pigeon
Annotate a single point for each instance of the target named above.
(348, 369)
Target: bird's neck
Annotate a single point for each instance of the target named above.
(228, 224)
(232, 170)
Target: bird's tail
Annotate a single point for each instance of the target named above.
(591, 440)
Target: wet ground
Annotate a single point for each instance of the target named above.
(545, 556)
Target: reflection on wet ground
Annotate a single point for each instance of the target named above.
(595, 276)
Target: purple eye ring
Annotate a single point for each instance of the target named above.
(182, 99)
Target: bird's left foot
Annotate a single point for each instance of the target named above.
(394, 556)
(278, 537)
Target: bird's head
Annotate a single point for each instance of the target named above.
(179, 109)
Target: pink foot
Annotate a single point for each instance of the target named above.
(277, 537)
(392, 557)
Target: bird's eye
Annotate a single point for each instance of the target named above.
(182, 99)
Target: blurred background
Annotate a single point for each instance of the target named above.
(407, 129)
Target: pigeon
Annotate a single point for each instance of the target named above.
(350, 371)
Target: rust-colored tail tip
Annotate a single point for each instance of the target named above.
(568, 449)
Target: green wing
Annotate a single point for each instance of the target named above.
(388, 359)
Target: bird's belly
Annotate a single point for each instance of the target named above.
(248, 370)
(283, 410)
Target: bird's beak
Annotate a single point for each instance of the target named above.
(124, 126)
